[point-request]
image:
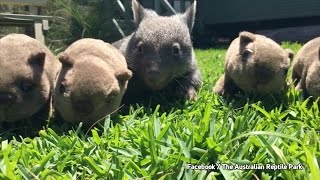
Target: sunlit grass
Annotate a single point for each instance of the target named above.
(154, 144)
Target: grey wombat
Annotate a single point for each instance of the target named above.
(306, 68)
(160, 54)
(27, 72)
(92, 81)
(254, 64)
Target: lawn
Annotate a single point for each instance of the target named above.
(255, 137)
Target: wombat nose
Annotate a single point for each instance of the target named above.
(6, 98)
(263, 74)
(153, 75)
(83, 107)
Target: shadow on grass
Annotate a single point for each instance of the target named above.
(167, 102)
(61, 127)
(268, 102)
(29, 127)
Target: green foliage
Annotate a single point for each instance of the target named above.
(154, 144)
(4, 30)
(293, 46)
(76, 19)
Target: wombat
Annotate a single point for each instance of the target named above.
(254, 64)
(92, 81)
(306, 68)
(27, 72)
(160, 55)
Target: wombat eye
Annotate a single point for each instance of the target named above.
(139, 48)
(111, 97)
(62, 87)
(285, 71)
(176, 49)
(246, 54)
(26, 86)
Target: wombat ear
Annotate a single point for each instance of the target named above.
(37, 59)
(65, 60)
(246, 37)
(123, 76)
(290, 54)
(189, 16)
(140, 13)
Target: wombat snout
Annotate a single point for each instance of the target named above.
(153, 75)
(84, 107)
(6, 98)
(263, 74)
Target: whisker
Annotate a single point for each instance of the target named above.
(179, 84)
(186, 77)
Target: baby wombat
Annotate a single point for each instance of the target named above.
(254, 64)
(160, 54)
(27, 72)
(92, 81)
(306, 68)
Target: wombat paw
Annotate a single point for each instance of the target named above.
(218, 90)
(298, 87)
(189, 94)
(192, 95)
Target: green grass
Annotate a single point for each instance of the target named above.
(155, 144)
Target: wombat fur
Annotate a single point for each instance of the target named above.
(27, 72)
(306, 68)
(254, 64)
(92, 81)
(160, 55)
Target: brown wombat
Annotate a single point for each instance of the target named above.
(254, 64)
(306, 68)
(92, 81)
(27, 72)
(160, 54)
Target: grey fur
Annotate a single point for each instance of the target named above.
(160, 54)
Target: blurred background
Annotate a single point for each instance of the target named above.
(217, 22)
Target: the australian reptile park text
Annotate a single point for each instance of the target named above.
(218, 166)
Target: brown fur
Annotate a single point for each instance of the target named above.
(306, 68)
(27, 72)
(254, 64)
(92, 81)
